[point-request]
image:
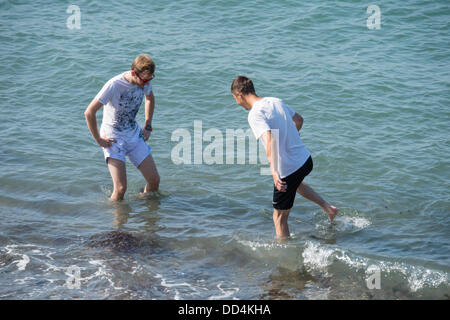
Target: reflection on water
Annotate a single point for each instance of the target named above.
(121, 211)
(368, 154)
(285, 284)
(148, 204)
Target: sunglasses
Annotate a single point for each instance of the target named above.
(142, 80)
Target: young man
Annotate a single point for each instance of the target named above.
(120, 134)
(290, 161)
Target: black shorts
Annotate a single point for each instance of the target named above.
(285, 200)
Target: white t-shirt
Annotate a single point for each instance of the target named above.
(271, 114)
(121, 101)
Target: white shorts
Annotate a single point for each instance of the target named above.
(135, 148)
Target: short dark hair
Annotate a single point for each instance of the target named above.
(242, 85)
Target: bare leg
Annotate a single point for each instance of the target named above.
(150, 173)
(118, 173)
(280, 218)
(308, 192)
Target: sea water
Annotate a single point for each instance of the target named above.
(372, 87)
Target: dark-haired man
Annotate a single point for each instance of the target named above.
(290, 161)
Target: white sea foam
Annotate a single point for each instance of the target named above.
(319, 257)
(53, 268)
(254, 245)
(174, 286)
(357, 222)
(354, 262)
(316, 257)
(171, 285)
(418, 277)
(226, 293)
(22, 263)
(102, 273)
(24, 280)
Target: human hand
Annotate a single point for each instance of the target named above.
(279, 184)
(105, 142)
(146, 134)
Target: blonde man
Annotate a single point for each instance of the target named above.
(290, 161)
(120, 135)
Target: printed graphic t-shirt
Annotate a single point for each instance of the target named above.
(121, 101)
(271, 114)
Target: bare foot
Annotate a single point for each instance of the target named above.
(143, 194)
(332, 211)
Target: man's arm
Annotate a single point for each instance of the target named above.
(272, 156)
(149, 109)
(298, 121)
(91, 119)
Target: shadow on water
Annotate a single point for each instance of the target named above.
(286, 284)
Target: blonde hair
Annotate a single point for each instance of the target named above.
(143, 64)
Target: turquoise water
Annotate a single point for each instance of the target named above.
(376, 110)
